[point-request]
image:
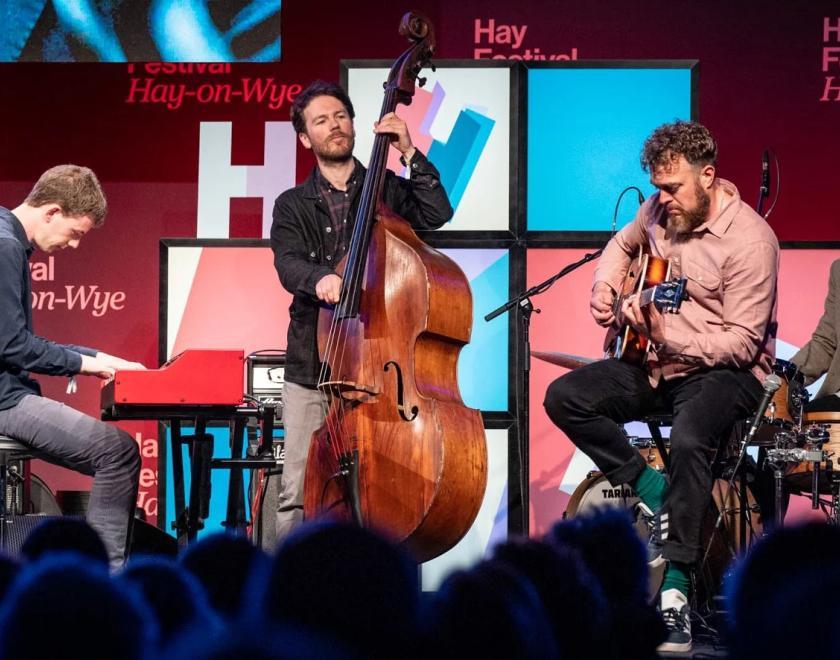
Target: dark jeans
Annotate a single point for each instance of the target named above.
(64, 436)
(590, 403)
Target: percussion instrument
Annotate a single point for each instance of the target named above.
(821, 431)
(785, 410)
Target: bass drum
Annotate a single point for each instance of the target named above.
(594, 493)
(720, 542)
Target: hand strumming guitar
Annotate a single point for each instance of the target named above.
(601, 304)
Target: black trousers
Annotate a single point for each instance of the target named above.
(591, 402)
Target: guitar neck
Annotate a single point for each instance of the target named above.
(646, 296)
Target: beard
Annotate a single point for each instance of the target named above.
(686, 221)
(336, 151)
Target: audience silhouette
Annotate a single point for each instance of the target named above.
(222, 563)
(612, 550)
(65, 605)
(490, 610)
(61, 535)
(786, 585)
(342, 592)
(346, 583)
(174, 596)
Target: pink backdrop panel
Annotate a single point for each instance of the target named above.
(803, 284)
(564, 325)
(235, 301)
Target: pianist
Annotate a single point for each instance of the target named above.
(66, 203)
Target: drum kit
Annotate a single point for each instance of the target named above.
(800, 447)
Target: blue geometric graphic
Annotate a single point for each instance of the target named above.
(457, 157)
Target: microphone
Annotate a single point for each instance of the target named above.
(639, 194)
(765, 173)
(771, 384)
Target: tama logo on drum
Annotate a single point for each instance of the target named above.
(619, 493)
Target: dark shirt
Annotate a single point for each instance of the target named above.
(305, 246)
(338, 205)
(21, 351)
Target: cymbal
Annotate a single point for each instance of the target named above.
(563, 359)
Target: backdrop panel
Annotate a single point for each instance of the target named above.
(461, 119)
(586, 127)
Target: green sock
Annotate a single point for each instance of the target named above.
(650, 486)
(676, 577)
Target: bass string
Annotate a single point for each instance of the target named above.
(335, 350)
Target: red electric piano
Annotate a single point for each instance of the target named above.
(200, 377)
(201, 386)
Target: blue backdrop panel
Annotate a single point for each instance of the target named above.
(585, 133)
(483, 363)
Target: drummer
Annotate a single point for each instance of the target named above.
(820, 355)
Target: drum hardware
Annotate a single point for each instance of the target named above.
(651, 451)
(778, 459)
(803, 461)
(820, 431)
(772, 385)
(785, 410)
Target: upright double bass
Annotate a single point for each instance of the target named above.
(399, 451)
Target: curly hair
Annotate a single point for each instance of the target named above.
(681, 138)
(317, 88)
(74, 188)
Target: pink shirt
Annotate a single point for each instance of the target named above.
(730, 262)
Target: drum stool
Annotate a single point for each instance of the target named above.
(11, 449)
(655, 421)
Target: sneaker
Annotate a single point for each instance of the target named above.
(657, 529)
(676, 615)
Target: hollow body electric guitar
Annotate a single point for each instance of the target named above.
(648, 277)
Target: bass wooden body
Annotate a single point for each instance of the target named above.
(399, 452)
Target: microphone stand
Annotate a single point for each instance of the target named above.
(771, 385)
(764, 190)
(525, 308)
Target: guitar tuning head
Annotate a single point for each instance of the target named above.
(421, 81)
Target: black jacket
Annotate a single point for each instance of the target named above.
(303, 249)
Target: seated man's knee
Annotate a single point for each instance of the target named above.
(124, 451)
(557, 399)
